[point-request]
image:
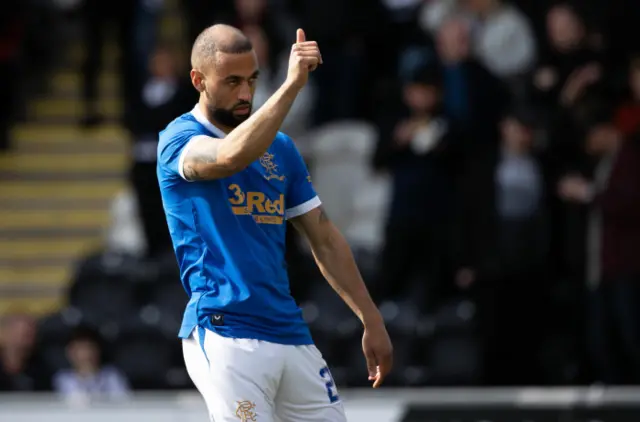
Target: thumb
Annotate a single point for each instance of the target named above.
(372, 365)
(300, 36)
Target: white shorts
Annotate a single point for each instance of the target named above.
(252, 380)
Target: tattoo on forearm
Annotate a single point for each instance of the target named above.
(197, 157)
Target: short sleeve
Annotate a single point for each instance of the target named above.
(301, 196)
(172, 149)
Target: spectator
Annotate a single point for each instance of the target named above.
(274, 19)
(272, 74)
(628, 114)
(11, 37)
(203, 13)
(472, 98)
(414, 147)
(97, 14)
(20, 367)
(569, 81)
(341, 28)
(164, 95)
(434, 12)
(501, 248)
(503, 38)
(570, 64)
(613, 272)
(88, 376)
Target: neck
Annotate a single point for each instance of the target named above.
(86, 370)
(206, 114)
(422, 115)
(13, 359)
(515, 150)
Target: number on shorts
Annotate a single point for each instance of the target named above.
(325, 374)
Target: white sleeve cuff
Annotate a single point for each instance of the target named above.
(183, 154)
(303, 208)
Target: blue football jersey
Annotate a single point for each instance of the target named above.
(229, 236)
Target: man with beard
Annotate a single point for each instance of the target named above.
(229, 181)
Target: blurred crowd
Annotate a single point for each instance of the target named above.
(510, 133)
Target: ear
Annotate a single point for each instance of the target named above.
(197, 79)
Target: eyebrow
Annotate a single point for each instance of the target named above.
(238, 77)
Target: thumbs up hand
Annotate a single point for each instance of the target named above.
(305, 57)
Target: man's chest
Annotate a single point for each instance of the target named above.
(259, 192)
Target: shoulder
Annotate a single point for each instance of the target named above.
(181, 127)
(285, 146)
(283, 140)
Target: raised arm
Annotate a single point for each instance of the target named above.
(209, 158)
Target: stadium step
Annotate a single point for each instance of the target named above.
(28, 277)
(33, 303)
(63, 249)
(58, 181)
(71, 109)
(77, 53)
(71, 191)
(53, 219)
(26, 134)
(63, 163)
(68, 83)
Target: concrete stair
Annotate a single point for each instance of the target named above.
(57, 182)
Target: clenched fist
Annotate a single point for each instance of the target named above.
(305, 57)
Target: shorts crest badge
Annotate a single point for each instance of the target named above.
(246, 411)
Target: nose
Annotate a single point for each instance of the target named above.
(244, 94)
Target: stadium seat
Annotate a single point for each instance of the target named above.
(109, 286)
(454, 353)
(144, 352)
(103, 299)
(170, 298)
(353, 196)
(454, 359)
(125, 234)
(457, 315)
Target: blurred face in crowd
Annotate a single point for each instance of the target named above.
(84, 355)
(602, 139)
(163, 64)
(516, 137)
(228, 85)
(453, 41)
(250, 11)
(480, 6)
(421, 98)
(565, 29)
(260, 44)
(18, 332)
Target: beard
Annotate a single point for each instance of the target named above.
(226, 117)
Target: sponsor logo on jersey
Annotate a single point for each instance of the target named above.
(263, 209)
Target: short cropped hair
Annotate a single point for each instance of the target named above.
(218, 38)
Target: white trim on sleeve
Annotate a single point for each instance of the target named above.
(183, 154)
(303, 208)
